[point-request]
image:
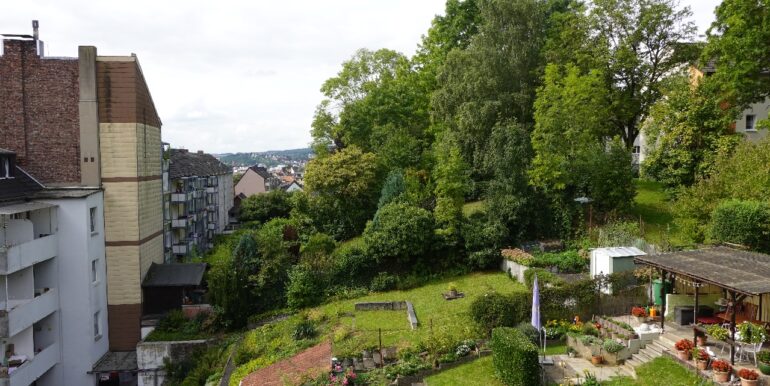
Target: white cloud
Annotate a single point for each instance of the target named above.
(232, 76)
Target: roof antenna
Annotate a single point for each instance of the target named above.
(35, 38)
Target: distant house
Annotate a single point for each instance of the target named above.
(256, 180)
(292, 186)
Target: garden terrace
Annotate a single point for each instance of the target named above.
(743, 276)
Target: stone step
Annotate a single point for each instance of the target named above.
(642, 357)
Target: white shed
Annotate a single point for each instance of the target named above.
(613, 259)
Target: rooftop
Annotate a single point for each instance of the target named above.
(186, 164)
(174, 275)
(737, 270)
(116, 361)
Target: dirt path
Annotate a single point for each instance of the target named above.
(313, 361)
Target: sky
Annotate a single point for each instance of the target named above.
(237, 76)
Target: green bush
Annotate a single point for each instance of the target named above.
(174, 320)
(567, 261)
(399, 232)
(742, 222)
(266, 206)
(543, 277)
(612, 346)
(306, 287)
(353, 266)
(304, 330)
(497, 310)
(515, 358)
(529, 331)
(383, 282)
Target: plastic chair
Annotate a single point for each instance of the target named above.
(752, 348)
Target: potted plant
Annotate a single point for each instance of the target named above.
(596, 355)
(639, 313)
(717, 332)
(683, 348)
(763, 357)
(452, 289)
(748, 377)
(701, 358)
(722, 370)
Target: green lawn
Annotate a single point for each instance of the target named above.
(480, 372)
(653, 205)
(660, 372)
(441, 321)
(473, 207)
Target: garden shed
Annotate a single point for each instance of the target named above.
(168, 286)
(605, 261)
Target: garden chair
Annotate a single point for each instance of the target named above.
(750, 348)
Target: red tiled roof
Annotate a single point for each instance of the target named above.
(313, 361)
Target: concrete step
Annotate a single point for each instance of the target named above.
(643, 357)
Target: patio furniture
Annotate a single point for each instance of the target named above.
(749, 348)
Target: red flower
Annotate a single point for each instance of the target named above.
(748, 374)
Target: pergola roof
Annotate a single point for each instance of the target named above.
(736, 270)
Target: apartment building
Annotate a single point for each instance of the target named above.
(90, 122)
(53, 296)
(199, 197)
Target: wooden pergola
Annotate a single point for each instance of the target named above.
(741, 273)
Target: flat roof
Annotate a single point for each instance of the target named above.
(734, 269)
(621, 251)
(116, 361)
(52, 193)
(21, 207)
(174, 275)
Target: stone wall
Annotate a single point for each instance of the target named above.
(516, 270)
(150, 356)
(381, 306)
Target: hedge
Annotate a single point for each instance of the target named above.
(742, 222)
(515, 358)
(498, 310)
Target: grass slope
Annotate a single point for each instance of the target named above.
(352, 331)
(653, 205)
(480, 372)
(660, 372)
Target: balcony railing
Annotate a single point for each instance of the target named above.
(179, 222)
(17, 257)
(211, 190)
(18, 315)
(33, 368)
(181, 197)
(182, 248)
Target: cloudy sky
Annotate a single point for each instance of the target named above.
(230, 76)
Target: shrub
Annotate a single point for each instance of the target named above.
(568, 261)
(742, 222)
(304, 330)
(543, 277)
(383, 282)
(266, 206)
(612, 346)
(306, 287)
(528, 330)
(515, 358)
(497, 310)
(173, 321)
(399, 231)
(353, 266)
(589, 329)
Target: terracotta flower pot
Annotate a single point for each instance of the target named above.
(749, 382)
(640, 319)
(721, 376)
(596, 360)
(701, 364)
(683, 355)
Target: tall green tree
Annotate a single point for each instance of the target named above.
(493, 80)
(739, 45)
(638, 43)
(452, 180)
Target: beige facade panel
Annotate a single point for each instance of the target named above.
(150, 208)
(250, 184)
(148, 149)
(151, 252)
(118, 146)
(121, 214)
(124, 286)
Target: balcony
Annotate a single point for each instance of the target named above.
(33, 368)
(18, 315)
(181, 197)
(180, 222)
(212, 226)
(20, 256)
(182, 248)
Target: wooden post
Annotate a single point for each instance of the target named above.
(759, 316)
(695, 315)
(662, 299)
(382, 359)
(732, 328)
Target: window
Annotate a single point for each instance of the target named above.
(5, 167)
(94, 275)
(637, 149)
(92, 216)
(97, 326)
(750, 118)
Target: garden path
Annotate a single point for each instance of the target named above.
(313, 362)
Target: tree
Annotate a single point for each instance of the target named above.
(230, 286)
(739, 44)
(494, 79)
(266, 206)
(341, 192)
(685, 131)
(637, 44)
(399, 232)
(451, 176)
(393, 189)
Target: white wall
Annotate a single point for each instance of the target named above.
(760, 111)
(79, 297)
